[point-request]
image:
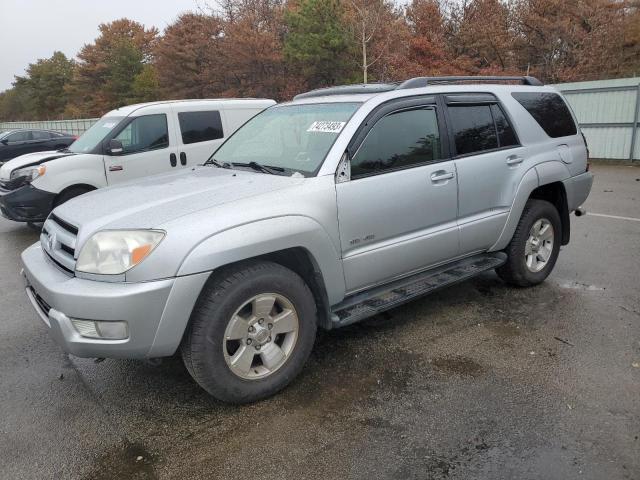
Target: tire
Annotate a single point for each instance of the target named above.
(526, 251)
(226, 309)
(68, 194)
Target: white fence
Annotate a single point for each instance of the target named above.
(74, 127)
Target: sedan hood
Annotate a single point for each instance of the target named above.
(29, 159)
(150, 202)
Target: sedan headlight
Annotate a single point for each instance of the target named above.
(112, 252)
(29, 174)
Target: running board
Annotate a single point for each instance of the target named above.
(366, 304)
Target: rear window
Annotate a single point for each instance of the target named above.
(200, 126)
(550, 111)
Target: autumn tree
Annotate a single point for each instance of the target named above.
(190, 59)
(107, 68)
(319, 43)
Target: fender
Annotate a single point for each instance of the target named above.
(81, 169)
(268, 236)
(541, 174)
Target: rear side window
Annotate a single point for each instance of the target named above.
(399, 140)
(40, 135)
(550, 111)
(200, 126)
(473, 128)
(506, 135)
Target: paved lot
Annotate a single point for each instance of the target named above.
(479, 381)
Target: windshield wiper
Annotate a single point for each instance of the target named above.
(213, 161)
(261, 168)
(64, 150)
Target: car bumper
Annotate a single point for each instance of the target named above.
(156, 312)
(578, 189)
(26, 204)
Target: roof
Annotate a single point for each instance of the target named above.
(129, 109)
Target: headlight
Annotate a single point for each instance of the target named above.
(112, 252)
(29, 174)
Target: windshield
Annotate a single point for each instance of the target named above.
(295, 138)
(90, 139)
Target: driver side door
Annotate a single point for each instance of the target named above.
(397, 212)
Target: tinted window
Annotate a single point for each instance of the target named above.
(506, 135)
(19, 136)
(550, 111)
(200, 126)
(473, 128)
(401, 139)
(40, 135)
(145, 133)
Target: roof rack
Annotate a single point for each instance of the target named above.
(417, 82)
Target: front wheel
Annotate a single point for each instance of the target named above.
(534, 248)
(251, 332)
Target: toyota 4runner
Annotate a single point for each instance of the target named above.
(320, 212)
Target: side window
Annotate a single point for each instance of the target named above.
(200, 126)
(40, 135)
(506, 135)
(22, 136)
(399, 140)
(473, 128)
(550, 111)
(145, 133)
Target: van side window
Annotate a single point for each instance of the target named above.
(550, 111)
(148, 132)
(200, 126)
(473, 128)
(399, 140)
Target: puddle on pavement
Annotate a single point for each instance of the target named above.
(579, 286)
(458, 365)
(130, 461)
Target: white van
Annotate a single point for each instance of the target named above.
(127, 143)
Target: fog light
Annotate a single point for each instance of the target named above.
(104, 330)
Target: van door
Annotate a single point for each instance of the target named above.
(148, 148)
(397, 213)
(199, 130)
(490, 163)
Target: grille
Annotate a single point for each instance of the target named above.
(58, 240)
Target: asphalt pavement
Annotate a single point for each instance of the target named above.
(480, 381)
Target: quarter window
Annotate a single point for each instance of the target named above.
(473, 128)
(550, 111)
(145, 133)
(200, 126)
(399, 140)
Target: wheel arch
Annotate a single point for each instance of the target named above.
(81, 186)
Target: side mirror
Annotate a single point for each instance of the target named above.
(4, 141)
(115, 147)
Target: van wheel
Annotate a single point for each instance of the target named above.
(251, 332)
(534, 248)
(68, 194)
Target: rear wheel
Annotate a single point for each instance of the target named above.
(534, 248)
(251, 332)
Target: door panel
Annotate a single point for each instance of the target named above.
(149, 148)
(396, 223)
(397, 214)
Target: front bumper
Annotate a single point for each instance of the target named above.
(26, 204)
(157, 312)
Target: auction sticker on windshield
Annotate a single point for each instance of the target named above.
(326, 126)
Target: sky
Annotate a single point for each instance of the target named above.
(33, 29)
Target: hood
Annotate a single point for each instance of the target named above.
(150, 202)
(29, 159)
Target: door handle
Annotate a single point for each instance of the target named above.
(441, 175)
(514, 160)
(183, 158)
(173, 160)
(116, 168)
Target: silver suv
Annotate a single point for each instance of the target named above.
(320, 212)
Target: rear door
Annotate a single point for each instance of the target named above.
(397, 212)
(199, 130)
(149, 148)
(490, 163)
